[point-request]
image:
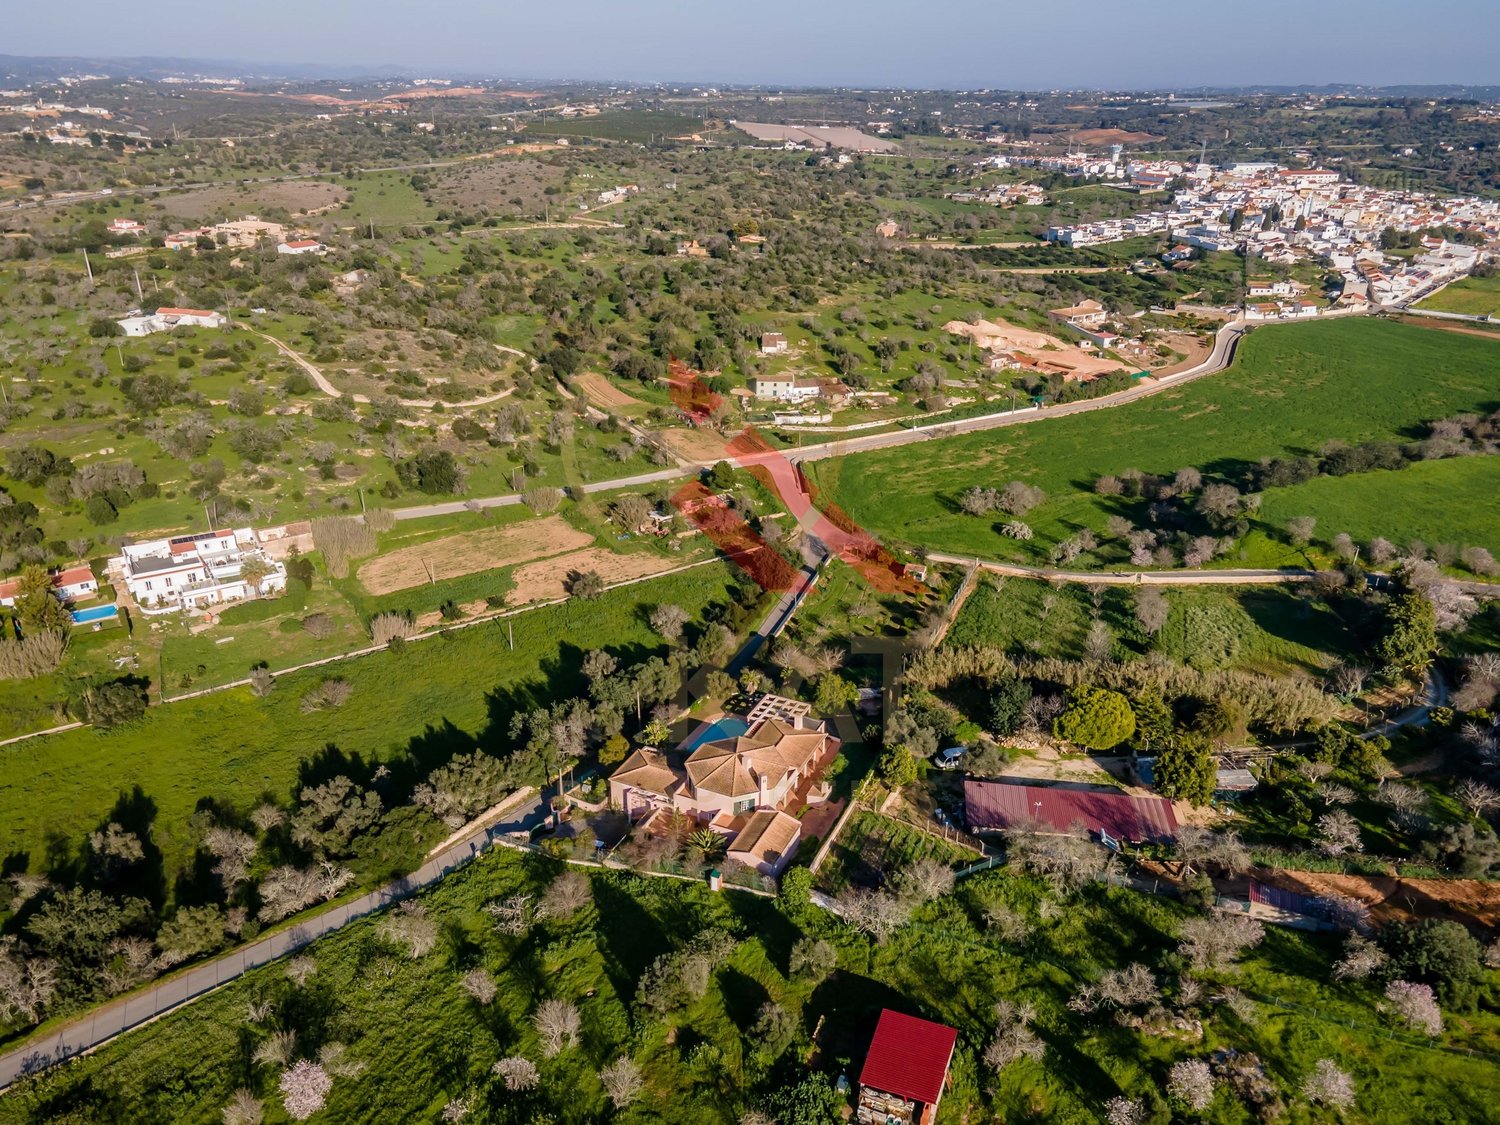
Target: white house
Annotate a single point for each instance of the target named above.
(190, 572)
(68, 585)
(773, 343)
(166, 319)
(301, 246)
(786, 387)
(125, 226)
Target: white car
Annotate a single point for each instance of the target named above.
(950, 758)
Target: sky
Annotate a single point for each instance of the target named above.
(948, 44)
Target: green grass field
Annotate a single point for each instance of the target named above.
(638, 125)
(1292, 389)
(426, 1042)
(435, 698)
(1258, 628)
(1477, 296)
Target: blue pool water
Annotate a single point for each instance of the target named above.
(728, 727)
(93, 613)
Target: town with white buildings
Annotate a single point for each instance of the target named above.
(1286, 215)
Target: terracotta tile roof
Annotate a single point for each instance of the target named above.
(73, 576)
(909, 1057)
(647, 768)
(767, 836)
(732, 766)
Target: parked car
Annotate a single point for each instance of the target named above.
(950, 758)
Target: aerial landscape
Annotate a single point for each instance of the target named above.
(684, 564)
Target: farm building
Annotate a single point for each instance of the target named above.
(1003, 806)
(905, 1070)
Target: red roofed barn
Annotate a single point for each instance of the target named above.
(905, 1071)
(1001, 806)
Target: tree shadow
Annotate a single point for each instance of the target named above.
(630, 940)
(743, 996)
(136, 813)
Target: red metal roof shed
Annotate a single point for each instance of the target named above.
(999, 805)
(909, 1057)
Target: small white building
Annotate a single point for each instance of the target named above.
(125, 226)
(164, 320)
(301, 246)
(773, 343)
(191, 572)
(786, 388)
(68, 585)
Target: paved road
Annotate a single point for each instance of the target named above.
(109, 1020)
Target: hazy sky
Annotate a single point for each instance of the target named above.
(1031, 44)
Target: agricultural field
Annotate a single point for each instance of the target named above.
(1292, 389)
(426, 1041)
(1271, 629)
(1476, 296)
(638, 126)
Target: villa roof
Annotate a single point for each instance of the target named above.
(767, 836)
(648, 768)
(732, 766)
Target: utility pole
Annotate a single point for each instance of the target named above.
(139, 296)
(88, 268)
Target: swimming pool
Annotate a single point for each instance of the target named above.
(94, 613)
(729, 726)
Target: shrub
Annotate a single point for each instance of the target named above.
(342, 539)
(386, 627)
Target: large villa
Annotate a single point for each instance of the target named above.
(745, 777)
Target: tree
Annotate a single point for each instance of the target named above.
(1415, 1006)
(1437, 952)
(27, 982)
(631, 512)
(1216, 941)
(1186, 768)
(622, 1081)
(877, 913)
(925, 880)
(304, 1089)
(115, 703)
(1191, 1082)
(897, 767)
(812, 959)
(244, 1108)
(519, 1073)
(587, 584)
(1337, 833)
(668, 621)
(1013, 1038)
(557, 1022)
(542, 500)
(1095, 718)
(1329, 1085)
(431, 471)
(773, 1031)
(565, 896)
(834, 694)
(1411, 635)
(37, 610)
(795, 891)
(261, 681)
(1299, 530)
(480, 985)
(1008, 706)
(409, 926)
